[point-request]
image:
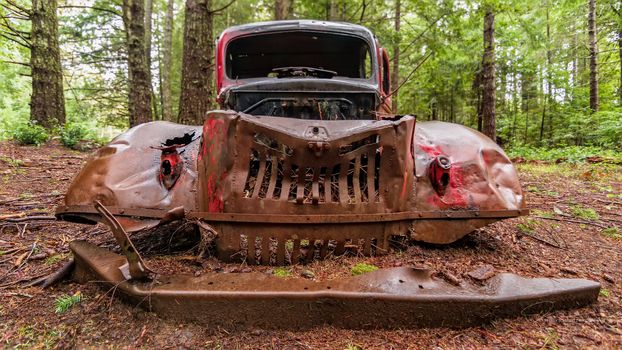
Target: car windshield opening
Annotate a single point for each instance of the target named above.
(298, 54)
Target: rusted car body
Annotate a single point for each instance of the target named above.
(306, 161)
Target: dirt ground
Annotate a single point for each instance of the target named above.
(570, 233)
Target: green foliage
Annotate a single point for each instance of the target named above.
(604, 292)
(31, 134)
(362, 268)
(281, 272)
(65, 302)
(585, 213)
(573, 154)
(72, 134)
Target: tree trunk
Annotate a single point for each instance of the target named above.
(283, 9)
(197, 58)
(148, 43)
(488, 77)
(167, 63)
(549, 86)
(47, 103)
(594, 103)
(395, 74)
(148, 15)
(620, 55)
(138, 72)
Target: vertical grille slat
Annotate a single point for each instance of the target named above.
(260, 175)
(356, 180)
(274, 174)
(371, 175)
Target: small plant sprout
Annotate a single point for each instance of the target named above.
(362, 268)
(281, 272)
(65, 302)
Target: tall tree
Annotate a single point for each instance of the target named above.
(197, 66)
(167, 63)
(148, 43)
(488, 76)
(139, 73)
(283, 9)
(594, 101)
(47, 105)
(395, 74)
(619, 19)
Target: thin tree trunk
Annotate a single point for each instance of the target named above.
(594, 103)
(148, 30)
(488, 67)
(395, 73)
(197, 69)
(549, 89)
(620, 55)
(47, 103)
(148, 45)
(283, 9)
(167, 62)
(575, 60)
(138, 71)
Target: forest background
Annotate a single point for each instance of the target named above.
(542, 77)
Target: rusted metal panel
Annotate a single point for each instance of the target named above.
(126, 176)
(388, 298)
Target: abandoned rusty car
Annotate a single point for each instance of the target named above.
(305, 161)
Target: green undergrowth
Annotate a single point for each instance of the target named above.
(612, 232)
(75, 136)
(572, 154)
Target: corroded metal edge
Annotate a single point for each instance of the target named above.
(388, 298)
(82, 210)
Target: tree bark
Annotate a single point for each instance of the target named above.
(47, 102)
(549, 79)
(395, 73)
(138, 72)
(283, 9)
(148, 45)
(488, 77)
(594, 102)
(167, 62)
(148, 20)
(620, 55)
(197, 58)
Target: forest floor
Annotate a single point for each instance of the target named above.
(570, 233)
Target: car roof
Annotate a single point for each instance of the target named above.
(298, 25)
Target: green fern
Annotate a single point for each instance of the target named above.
(65, 302)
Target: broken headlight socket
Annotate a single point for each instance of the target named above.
(439, 173)
(171, 166)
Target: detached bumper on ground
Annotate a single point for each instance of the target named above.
(388, 298)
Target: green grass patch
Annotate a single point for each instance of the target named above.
(15, 163)
(604, 292)
(585, 213)
(282, 272)
(612, 232)
(66, 302)
(53, 259)
(543, 213)
(362, 268)
(572, 154)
